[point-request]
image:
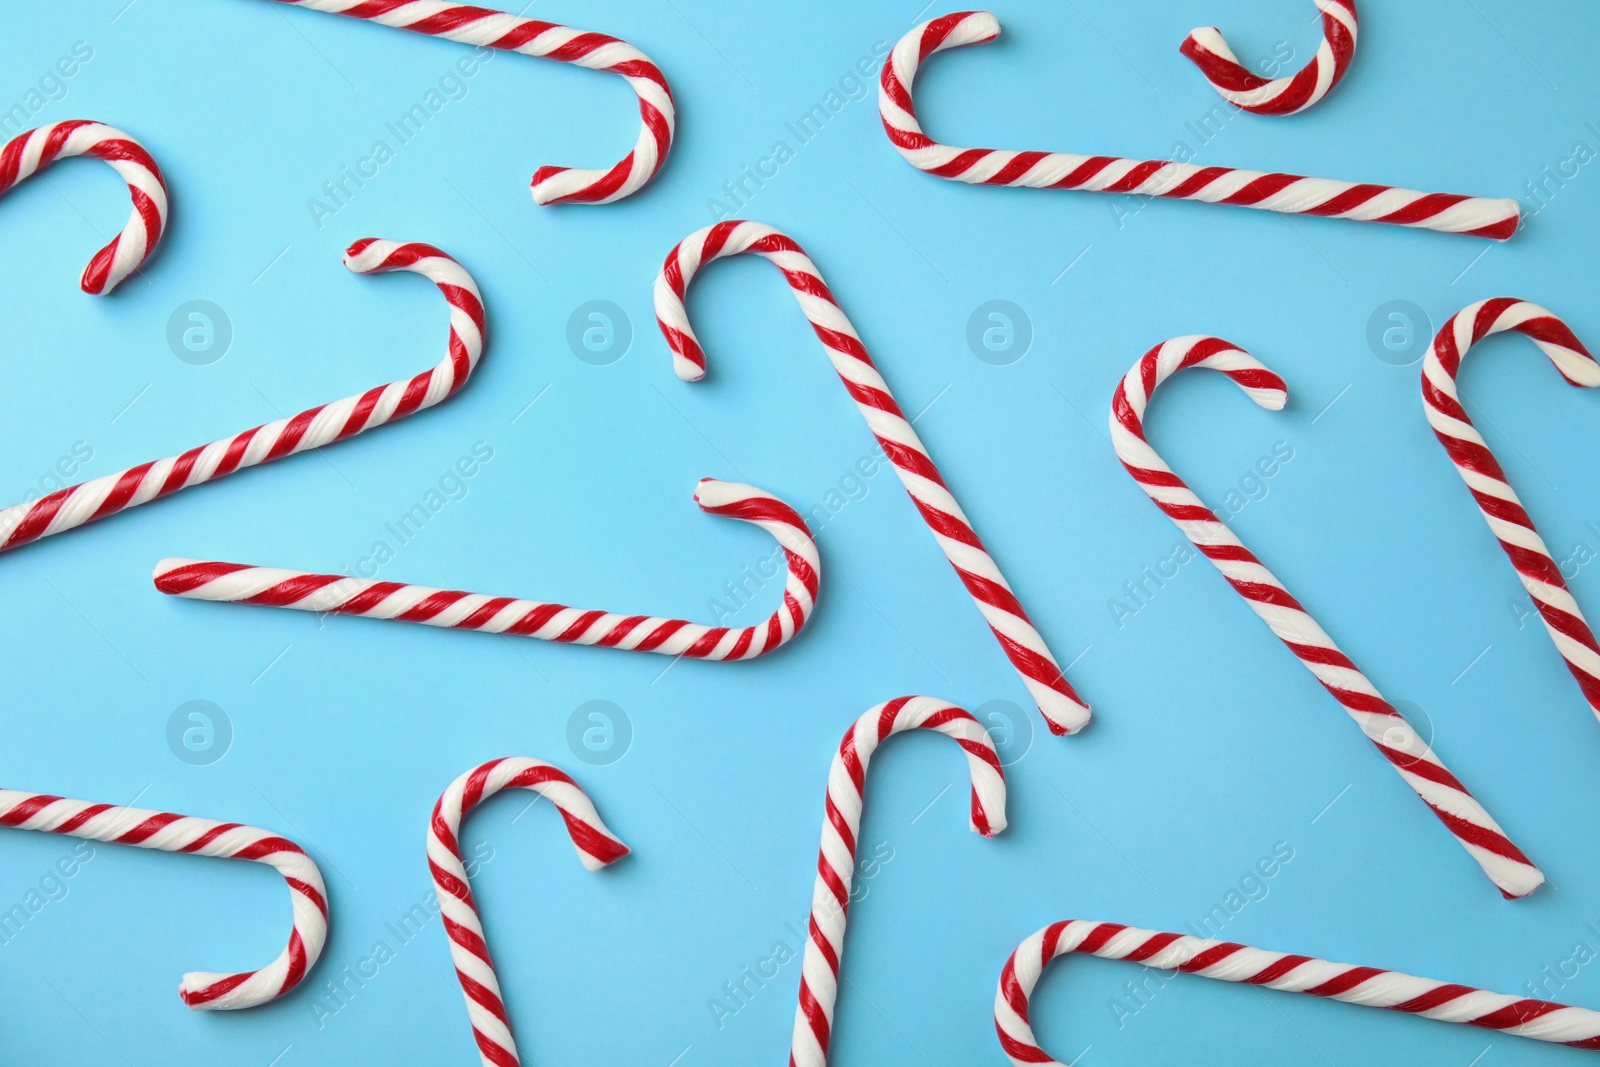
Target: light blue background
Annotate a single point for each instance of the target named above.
(1210, 744)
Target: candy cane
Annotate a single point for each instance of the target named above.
(1227, 962)
(68, 508)
(488, 28)
(272, 587)
(28, 153)
(1209, 51)
(836, 861)
(1446, 797)
(1285, 193)
(1064, 712)
(597, 847)
(1501, 508)
(200, 990)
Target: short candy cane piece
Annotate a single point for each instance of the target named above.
(488, 28)
(1244, 89)
(271, 587)
(1446, 797)
(1284, 193)
(1498, 502)
(469, 950)
(1063, 711)
(66, 509)
(200, 990)
(1227, 962)
(836, 861)
(28, 153)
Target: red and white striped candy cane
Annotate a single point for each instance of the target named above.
(1446, 797)
(28, 153)
(1063, 711)
(836, 861)
(272, 587)
(469, 950)
(1501, 508)
(1208, 50)
(1227, 962)
(488, 28)
(200, 990)
(66, 509)
(1284, 193)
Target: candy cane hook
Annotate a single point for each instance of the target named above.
(1498, 502)
(1208, 50)
(487, 28)
(271, 587)
(836, 860)
(66, 509)
(1227, 962)
(1063, 711)
(469, 950)
(1284, 193)
(200, 990)
(1446, 797)
(28, 153)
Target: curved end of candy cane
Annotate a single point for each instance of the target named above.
(1203, 39)
(592, 862)
(747, 503)
(1259, 382)
(33, 150)
(570, 185)
(896, 109)
(375, 255)
(959, 29)
(1291, 94)
(207, 991)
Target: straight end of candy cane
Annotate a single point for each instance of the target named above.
(1505, 216)
(1519, 882)
(174, 575)
(1064, 711)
